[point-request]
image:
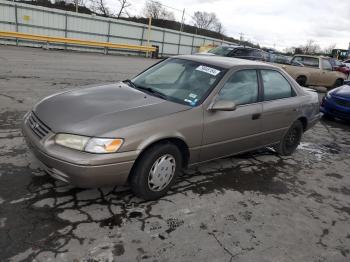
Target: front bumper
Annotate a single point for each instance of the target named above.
(79, 168)
(329, 107)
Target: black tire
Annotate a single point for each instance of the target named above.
(139, 177)
(338, 82)
(291, 139)
(301, 80)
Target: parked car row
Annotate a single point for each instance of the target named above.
(306, 70)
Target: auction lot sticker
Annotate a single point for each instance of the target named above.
(208, 70)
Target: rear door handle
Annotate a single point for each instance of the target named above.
(256, 116)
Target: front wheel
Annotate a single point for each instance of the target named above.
(291, 139)
(156, 171)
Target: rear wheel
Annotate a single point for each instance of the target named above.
(291, 139)
(156, 171)
(301, 80)
(338, 82)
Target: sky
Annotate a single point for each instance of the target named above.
(271, 23)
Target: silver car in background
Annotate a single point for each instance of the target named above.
(182, 111)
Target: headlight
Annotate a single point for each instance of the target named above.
(72, 141)
(329, 95)
(103, 145)
(91, 145)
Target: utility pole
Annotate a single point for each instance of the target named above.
(182, 20)
(241, 38)
(76, 6)
(149, 32)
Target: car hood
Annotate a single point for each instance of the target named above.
(342, 91)
(98, 110)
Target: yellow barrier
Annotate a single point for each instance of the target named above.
(52, 39)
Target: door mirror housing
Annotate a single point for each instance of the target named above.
(223, 105)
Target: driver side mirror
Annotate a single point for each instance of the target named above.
(223, 105)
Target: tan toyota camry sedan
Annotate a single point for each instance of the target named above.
(182, 111)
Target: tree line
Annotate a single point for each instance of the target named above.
(310, 48)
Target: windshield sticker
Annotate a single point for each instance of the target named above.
(192, 103)
(208, 70)
(192, 95)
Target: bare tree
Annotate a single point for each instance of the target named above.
(219, 28)
(328, 49)
(100, 6)
(290, 50)
(156, 10)
(310, 47)
(204, 20)
(124, 4)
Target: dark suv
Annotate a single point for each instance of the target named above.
(239, 52)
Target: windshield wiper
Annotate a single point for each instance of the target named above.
(153, 92)
(130, 83)
(147, 89)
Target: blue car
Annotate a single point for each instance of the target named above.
(336, 104)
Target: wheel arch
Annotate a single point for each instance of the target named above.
(178, 141)
(304, 122)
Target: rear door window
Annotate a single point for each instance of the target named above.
(275, 85)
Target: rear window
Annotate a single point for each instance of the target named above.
(275, 85)
(326, 65)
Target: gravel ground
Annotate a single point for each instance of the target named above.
(253, 207)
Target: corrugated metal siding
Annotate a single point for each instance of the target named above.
(123, 30)
(7, 13)
(40, 20)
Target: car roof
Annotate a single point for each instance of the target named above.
(224, 62)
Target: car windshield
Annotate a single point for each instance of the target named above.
(221, 50)
(179, 80)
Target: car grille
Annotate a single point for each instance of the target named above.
(342, 102)
(38, 127)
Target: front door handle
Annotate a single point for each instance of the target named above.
(256, 116)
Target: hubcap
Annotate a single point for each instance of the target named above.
(292, 138)
(161, 173)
